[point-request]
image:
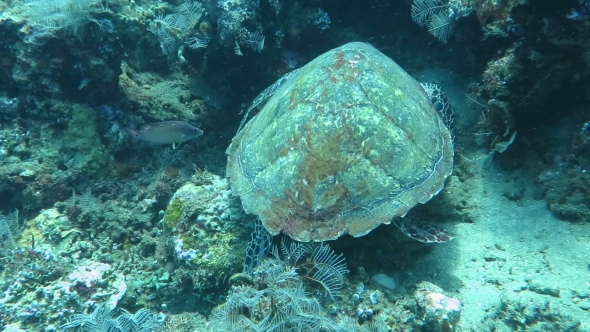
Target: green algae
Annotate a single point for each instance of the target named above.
(173, 214)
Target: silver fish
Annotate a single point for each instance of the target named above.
(166, 132)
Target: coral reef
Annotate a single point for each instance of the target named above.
(565, 183)
(440, 312)
(201, 223)
(495, 17)
(158, 98)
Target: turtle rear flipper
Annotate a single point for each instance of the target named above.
(422, 231)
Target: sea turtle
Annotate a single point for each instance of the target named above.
(345, 143)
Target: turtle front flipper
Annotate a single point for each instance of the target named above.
(422, 231)
(441, 104)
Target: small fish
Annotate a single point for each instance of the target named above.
(166, 132)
